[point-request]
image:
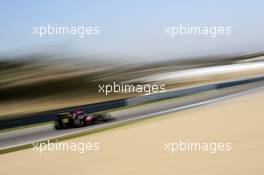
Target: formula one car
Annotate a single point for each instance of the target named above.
(79, 119)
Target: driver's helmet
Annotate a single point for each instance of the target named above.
(78, 112)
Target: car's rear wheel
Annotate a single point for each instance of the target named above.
(58, 125)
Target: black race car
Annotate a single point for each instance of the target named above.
(79, 119)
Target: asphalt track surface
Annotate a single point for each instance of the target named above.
(24, 136)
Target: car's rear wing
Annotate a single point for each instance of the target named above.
(64, 115)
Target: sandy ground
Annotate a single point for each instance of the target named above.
(139, 148)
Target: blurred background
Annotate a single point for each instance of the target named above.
(38, 74)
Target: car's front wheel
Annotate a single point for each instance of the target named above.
(107, 118)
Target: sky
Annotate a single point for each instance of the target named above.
(133, 29)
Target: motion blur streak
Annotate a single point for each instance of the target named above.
(205, 72)
(44, 81)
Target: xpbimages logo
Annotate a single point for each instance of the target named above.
(78, 147)
(79, 31)
(183, 30)
(147, 89)
(188, 146)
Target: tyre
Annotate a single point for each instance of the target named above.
(58, 125)
(107, 118)
(78, 122)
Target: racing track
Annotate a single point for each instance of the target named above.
(24, 136)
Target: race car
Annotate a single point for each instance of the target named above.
(79, 119)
